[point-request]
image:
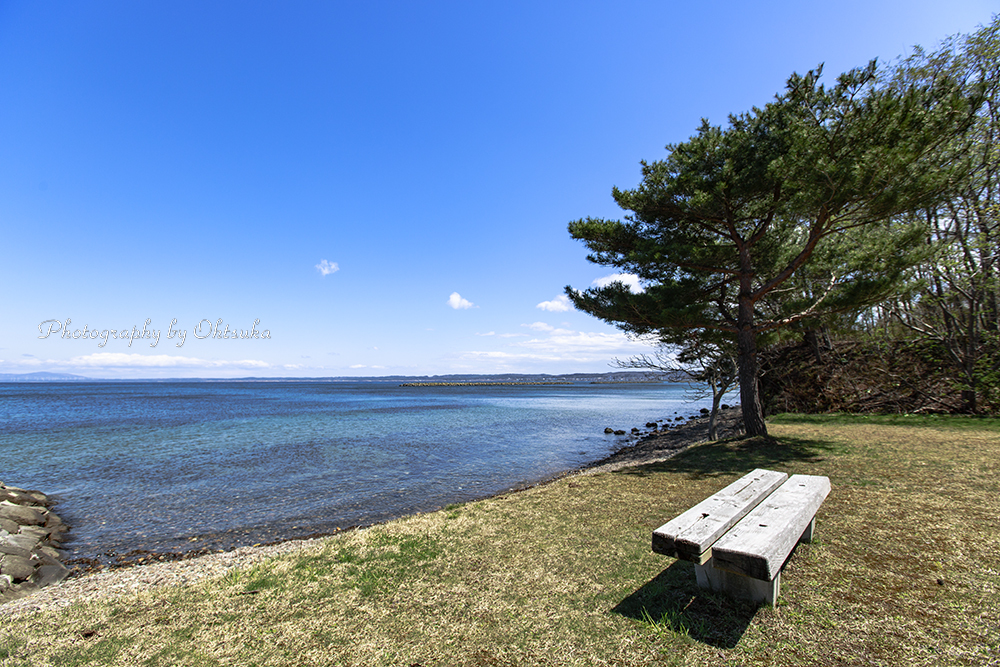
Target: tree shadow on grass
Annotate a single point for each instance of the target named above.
(741, 455)
(673, 602)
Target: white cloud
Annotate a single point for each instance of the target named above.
(549, 348)
(630, 280)
(122, 360)
(560, 304)
(326, 268)
(566, 340)
(458, 303)
(554, 345)
(495, 355)
(488, 333)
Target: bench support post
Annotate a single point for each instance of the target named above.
(807, 536)
(737, 585)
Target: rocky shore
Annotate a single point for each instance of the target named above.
(660, 441)
(30, 537)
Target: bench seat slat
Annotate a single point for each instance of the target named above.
(691, 534)
(759, 544)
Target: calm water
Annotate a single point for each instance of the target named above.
(178, 465)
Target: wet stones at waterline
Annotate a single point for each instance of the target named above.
(30, 536)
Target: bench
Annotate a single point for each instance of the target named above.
(740, 538)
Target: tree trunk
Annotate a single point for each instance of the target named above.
(746, 350)
(969, 401)
(812, 340)
(753, 414)
(713, 418)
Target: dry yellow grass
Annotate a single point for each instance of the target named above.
(905, 571)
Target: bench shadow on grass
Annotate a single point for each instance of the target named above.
(671, 601)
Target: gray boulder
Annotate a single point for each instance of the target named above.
(46, 575)
(17, 567)
(21, 514)
(14, 548)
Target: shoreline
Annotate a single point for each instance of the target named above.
(149, 570)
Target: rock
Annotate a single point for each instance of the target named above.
(619, 432)
(24, 588)
(609, 430)
(16, 567)
(9, 525)
(14, 549)
(24, 541)
(652, 425)
(705, 411)
(26, 516)
(5, 582)
(37, 532)
(40, 498)
(48, 555)
(23, 497)
(16, 497)
(47, 575)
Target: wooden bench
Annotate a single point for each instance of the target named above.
(740, 538)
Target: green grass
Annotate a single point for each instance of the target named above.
(969, 422)
(904, 571)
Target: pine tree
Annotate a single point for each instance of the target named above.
(721, 230)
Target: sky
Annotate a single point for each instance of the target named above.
(361, 188)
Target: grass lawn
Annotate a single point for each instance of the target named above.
(906, 571)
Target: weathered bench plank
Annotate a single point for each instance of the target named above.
(693, 533)
(759, 544)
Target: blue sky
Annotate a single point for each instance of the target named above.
(383, 186)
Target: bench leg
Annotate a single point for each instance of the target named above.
(807, 535)
(737, 585)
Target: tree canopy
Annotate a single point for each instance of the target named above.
(792, 211)
(956, 301)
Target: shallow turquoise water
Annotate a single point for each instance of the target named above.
(152, 465)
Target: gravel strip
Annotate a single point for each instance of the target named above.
(112, 583)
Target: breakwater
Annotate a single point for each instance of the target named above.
(482, 384)
(30, 534)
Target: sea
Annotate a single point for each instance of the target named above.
(174, 467)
